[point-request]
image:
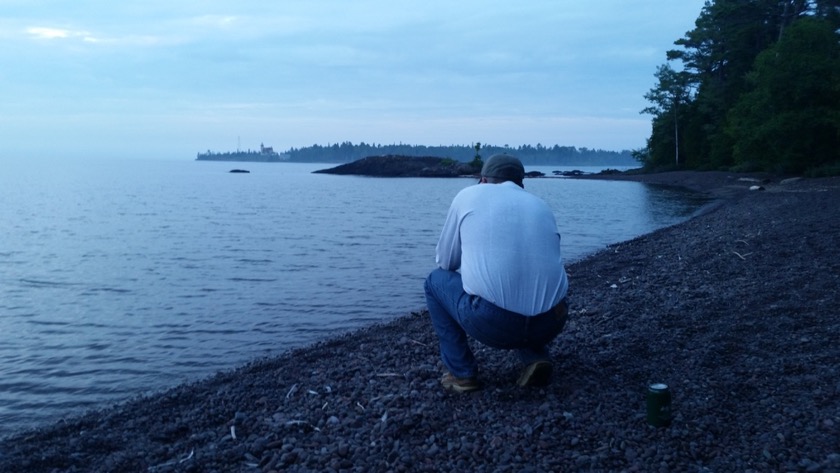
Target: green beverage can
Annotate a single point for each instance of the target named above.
(659, 405)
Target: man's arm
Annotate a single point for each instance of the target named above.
(448, 250)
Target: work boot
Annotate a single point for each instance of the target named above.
(459, 385)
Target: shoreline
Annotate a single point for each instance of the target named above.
(706, 306)
(720, 184)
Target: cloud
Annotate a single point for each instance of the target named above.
(423, 72)
(47, 33)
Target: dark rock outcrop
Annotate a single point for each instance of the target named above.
(404, 166)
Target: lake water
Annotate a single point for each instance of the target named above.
(123, 277)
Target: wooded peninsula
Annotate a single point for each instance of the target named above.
(529, 155)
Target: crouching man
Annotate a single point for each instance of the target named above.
(500, 278)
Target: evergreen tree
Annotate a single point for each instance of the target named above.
(790, 119)
(668, 99)
(717, 58)
(477, 163)
(717, 55)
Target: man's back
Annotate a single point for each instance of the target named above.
(508, 245)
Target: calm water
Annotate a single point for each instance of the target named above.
(122, 277)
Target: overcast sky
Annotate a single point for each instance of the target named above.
(166, 79)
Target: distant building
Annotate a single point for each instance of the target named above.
(266, 154)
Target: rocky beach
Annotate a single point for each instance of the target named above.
(736, 310)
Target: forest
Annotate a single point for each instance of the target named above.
(755, 86)
(529, 155)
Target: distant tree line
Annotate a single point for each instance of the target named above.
(758, 89)
(529, 155)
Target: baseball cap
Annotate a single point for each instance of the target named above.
(503, 166)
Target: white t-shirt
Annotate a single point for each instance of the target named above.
(505, 243)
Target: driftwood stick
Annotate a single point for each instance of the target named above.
(174, 462)
(743, 257)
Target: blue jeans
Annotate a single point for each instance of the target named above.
(456, 314)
